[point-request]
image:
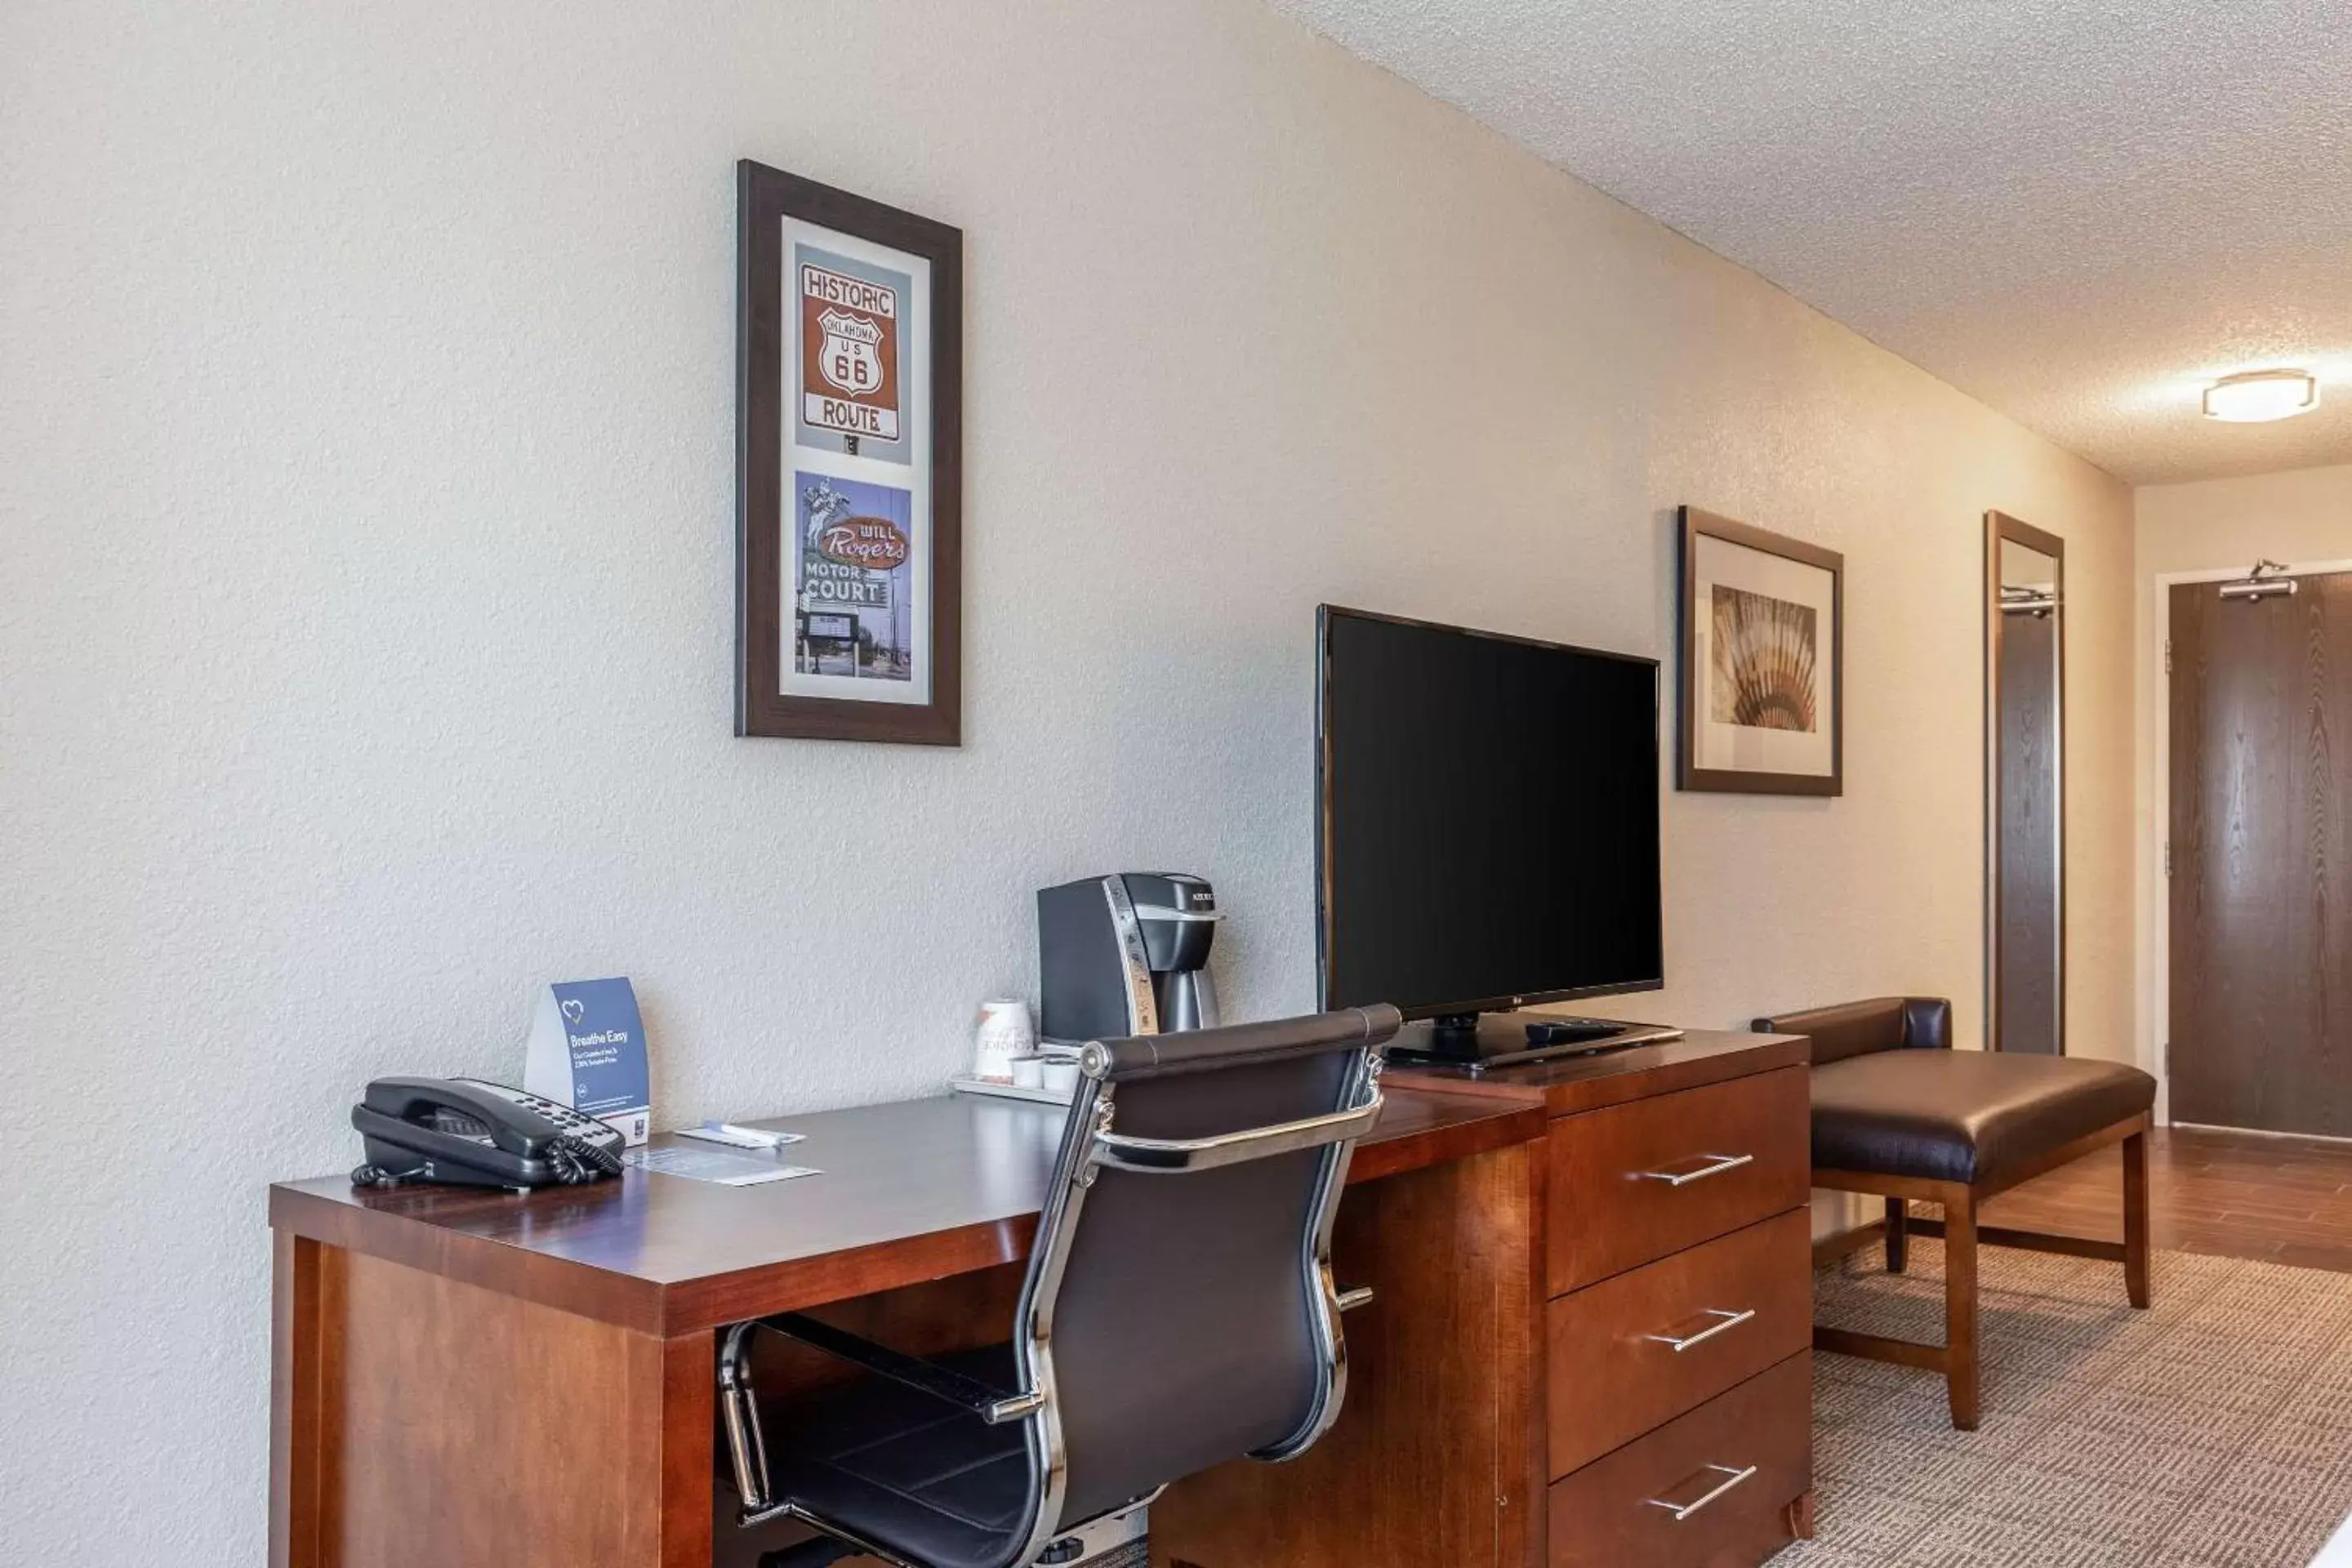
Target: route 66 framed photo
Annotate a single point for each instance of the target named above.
(848, 443)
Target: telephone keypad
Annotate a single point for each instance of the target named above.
(570, 1121)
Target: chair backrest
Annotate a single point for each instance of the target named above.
(1179, 1311)
(1858, 1028)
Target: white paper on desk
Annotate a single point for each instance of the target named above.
(735, 1141)
(714, 1165)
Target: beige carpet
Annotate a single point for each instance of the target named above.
(2212, 1431)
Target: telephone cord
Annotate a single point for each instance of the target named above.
(577, 1161)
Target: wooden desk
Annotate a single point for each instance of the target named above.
(481, 1380)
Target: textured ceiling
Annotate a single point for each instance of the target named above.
(2078, 212)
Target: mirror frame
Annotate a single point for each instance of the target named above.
(2000, 527)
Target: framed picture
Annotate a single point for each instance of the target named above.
(1763, 644)
(848, 443)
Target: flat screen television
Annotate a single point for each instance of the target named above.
(1486, 827)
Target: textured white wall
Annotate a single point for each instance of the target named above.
(2301, 517)
(364, 529)
(2297, 516)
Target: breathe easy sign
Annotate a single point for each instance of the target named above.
(587, 1050)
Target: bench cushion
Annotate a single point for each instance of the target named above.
(1963, 1116)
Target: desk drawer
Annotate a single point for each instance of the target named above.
(1751, 1449)
(1635, 1182)
(1614, 1375)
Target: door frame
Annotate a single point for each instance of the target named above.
(2159, 827)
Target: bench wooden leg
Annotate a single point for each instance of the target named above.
(2135, 1219)
(1961, 1366)
(1959, 1357)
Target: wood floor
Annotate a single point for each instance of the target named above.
(2228, 1195)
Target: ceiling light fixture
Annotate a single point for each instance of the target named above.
(2262, 394)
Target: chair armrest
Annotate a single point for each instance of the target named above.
(992, 1404)
(1165, 1156)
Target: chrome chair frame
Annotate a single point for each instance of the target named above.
(1035, 1401)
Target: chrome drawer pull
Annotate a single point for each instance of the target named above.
(1725, 1321)
(1716, 1164)
(1683, 1510)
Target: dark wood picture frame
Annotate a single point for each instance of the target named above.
(764, 196)
(1694, 523)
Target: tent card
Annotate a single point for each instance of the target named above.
(587, 1050)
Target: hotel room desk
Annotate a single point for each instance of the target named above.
(474, 1379)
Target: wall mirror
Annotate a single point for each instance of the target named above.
(2025, 783)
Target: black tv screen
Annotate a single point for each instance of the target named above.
(1487, 819)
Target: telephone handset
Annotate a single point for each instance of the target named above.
(473, 1134)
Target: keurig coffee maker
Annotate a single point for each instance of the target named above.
(1125, 954)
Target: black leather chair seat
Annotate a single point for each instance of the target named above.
(1963, 1116)
(889, 1463)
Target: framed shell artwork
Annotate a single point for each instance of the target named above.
(1762, 661)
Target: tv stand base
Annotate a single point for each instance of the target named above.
(1457, 1040)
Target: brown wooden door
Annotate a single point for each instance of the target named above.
(2261, 889)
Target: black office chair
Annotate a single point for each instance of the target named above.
(1191, 1319)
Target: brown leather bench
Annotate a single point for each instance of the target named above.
(1898, 1114)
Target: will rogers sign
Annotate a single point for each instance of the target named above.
(867, 542)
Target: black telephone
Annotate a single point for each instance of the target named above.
(464, 1131)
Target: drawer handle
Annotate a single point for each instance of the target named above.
(1683, 1510)
(1716, 1165)
(1725, 1321)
